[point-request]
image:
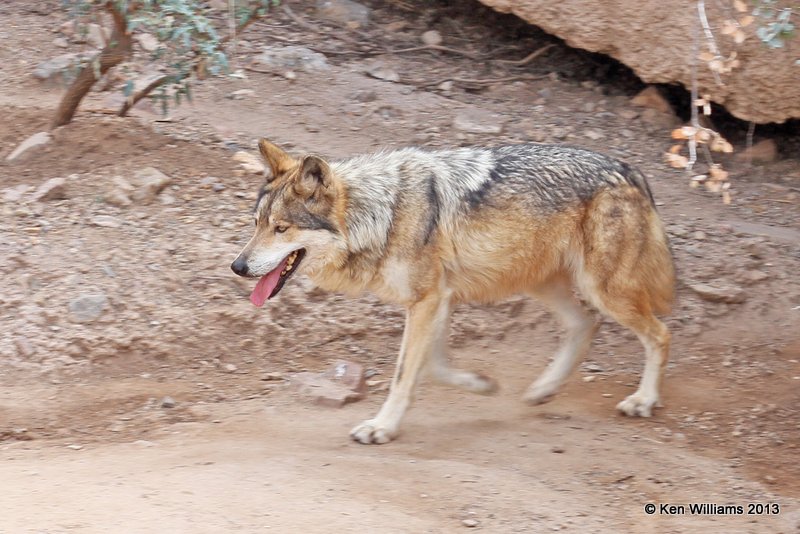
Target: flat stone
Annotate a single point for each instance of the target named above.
(347, 374)
(279, 59)
(148, 183)
(87, 308)
(323, 391)
(14, 194)
(764, 151)
(52, 189)
(147, 41)
(651, 97)
(719, 293)
(55, 67)
(478, 122)
(343, 12)
(34, 141)
(380, 71)
(106, 221)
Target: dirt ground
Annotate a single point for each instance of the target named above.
(86, 444)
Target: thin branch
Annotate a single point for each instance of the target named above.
(527, 59)
(474, 81)
(751, 130)
(440, 48)
(134, 99)
(693, 97)
(712, 43)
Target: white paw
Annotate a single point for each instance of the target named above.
(370, 431)
(539, 393)
(481, 384)
(638, 405)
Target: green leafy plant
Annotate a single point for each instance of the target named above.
(185, 43)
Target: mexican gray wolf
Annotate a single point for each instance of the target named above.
(429, 229)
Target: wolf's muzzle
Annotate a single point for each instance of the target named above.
(239, 266)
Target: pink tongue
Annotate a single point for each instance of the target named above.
(266, 285)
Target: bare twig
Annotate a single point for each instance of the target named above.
(712, 43)
(135, 98)
(474, 81)
(299, 20)
(115, 52)
(527, 59)
(440, 48)
(751, 130)
(693, 97)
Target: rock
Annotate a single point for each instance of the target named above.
(593, 367)
(655, 41)
(651, 97)
(470, 523)
(68, 28)
(342, 383)
(272, 376)
(240, 94)
(719, 293)
(557, 449)
(478, 122)
(628, 114)
(147, 41)
(659, 120)
(54, 69)
(119, 192)
(97, 36)
(14, 194)
(446, 85)
(148, 183)
(34, 141)
(754, 276)
(106, 221)
(431, 38)
(250, 162)
(168, 402)
(230, 368)
(60, 42)
(52, 189)
(323, 391)
(279, 59)
(343, 12)
(87, 308)
(348, 374)
(594, 135)
(765, 151)
(699, 235)
(379, 70)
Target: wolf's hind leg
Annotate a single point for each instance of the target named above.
(580, 327)
(426, 324)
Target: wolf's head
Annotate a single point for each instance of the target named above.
(299, 226)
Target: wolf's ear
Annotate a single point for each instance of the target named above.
(314, 179)
(278, 160)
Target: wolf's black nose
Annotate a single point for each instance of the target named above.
(239, 266)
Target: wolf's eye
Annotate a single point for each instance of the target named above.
(280, 229)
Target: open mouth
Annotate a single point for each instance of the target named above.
(271, 283)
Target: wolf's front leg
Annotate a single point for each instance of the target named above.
(426, 322)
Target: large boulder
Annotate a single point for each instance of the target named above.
(655, 39)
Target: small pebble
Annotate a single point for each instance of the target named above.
(471, 523)
(167, 402)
